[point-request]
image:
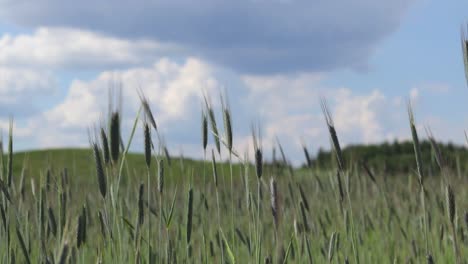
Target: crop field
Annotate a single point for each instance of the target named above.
(106, 205)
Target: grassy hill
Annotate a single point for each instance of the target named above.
(79, 164)
(79, 161)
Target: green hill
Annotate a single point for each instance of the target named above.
(396, 157)
(80, 162)
(79, 165)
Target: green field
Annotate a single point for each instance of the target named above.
(89, 206)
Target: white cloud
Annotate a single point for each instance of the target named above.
(17, 85)
(287, 107)
(173, 90)
(290, 109)
(292, 91)
(359, 114)
(32, 64)
(294, 99)
(428, 89)
(22, 91)
(73, 48)
(414, 94)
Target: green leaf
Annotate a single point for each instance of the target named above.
(127, 148)
(288, 250)
(309, 254)
(129, 225)
(171, 212)
(228, 248)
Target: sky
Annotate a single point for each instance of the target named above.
(275, 60)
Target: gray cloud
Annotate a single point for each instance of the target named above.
(251, 36)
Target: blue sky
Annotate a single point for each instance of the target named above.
(275, 59)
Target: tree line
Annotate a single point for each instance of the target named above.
(395, 157)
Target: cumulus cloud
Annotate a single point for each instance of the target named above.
(286, 106)
(21, 83)
(174, 91)
(290, 110)
(18, 88)
(249, 36)
(62, 48)
(358, 113)
(33, 65)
